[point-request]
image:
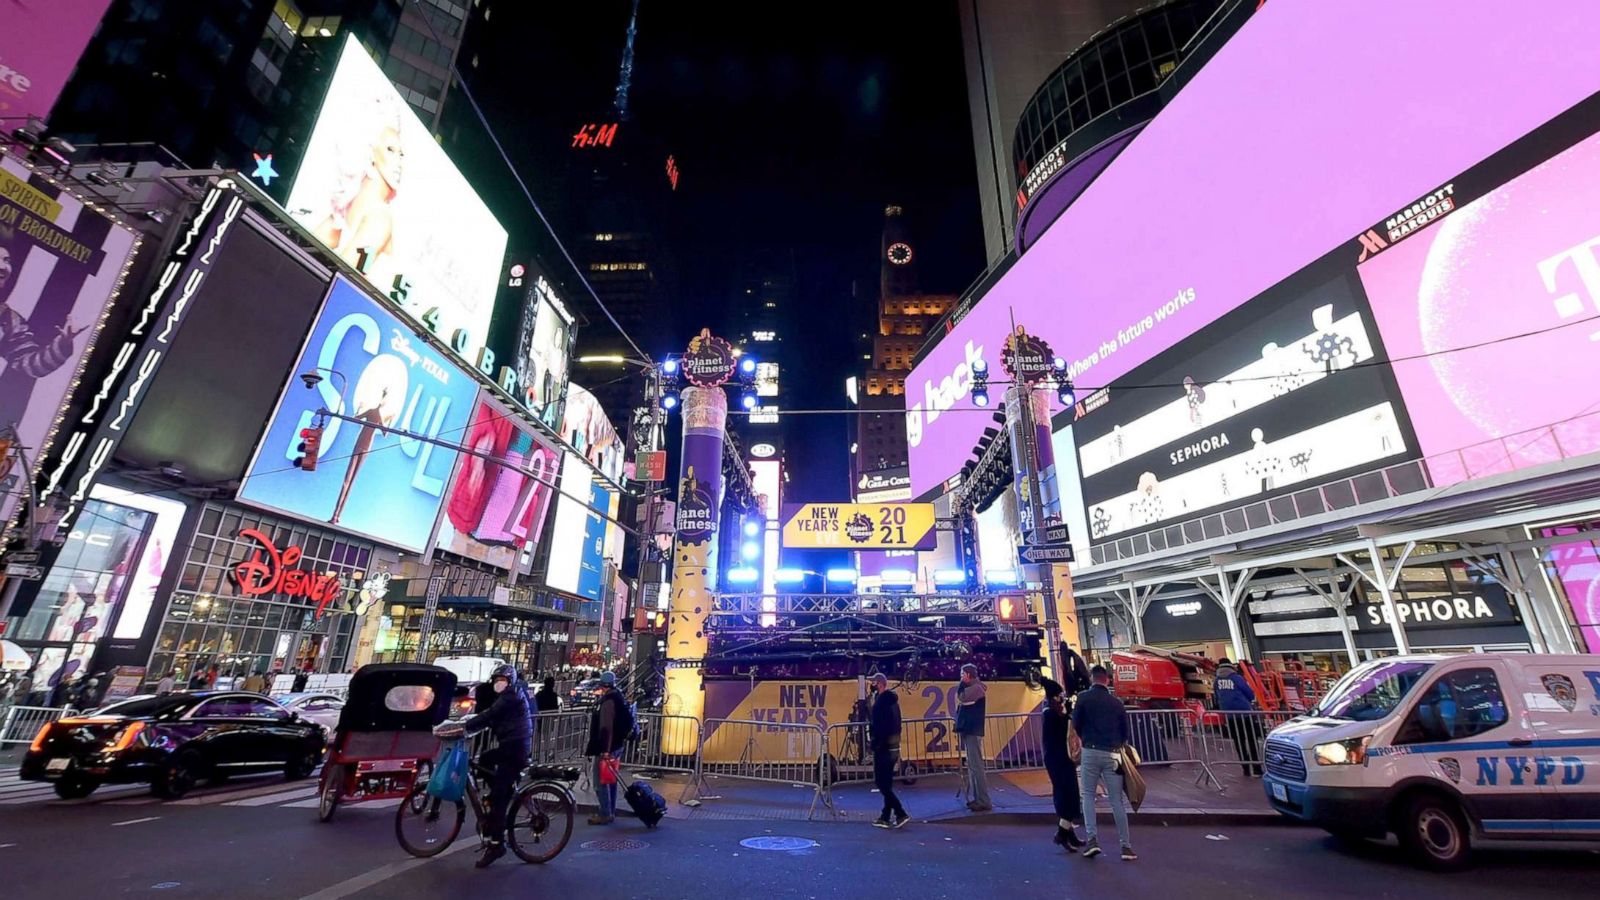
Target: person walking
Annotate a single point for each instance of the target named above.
(1102, 724)
(971, 709)
(1236, 699)
(167, 682)
(884, 733)
(1058, 764)
(510, 718)
(547, 701)
(609, 727)
(197, 679)
(300, 679)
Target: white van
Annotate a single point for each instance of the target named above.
(470, 670)
(1439, 750)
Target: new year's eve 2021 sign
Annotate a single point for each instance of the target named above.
(859, 526)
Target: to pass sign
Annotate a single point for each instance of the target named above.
(859, 526)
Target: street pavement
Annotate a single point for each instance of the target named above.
(259, 838)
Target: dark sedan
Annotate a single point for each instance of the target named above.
(172, 742)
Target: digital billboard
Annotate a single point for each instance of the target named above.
(577, 543)
(370, 479)
(62, 265)
(492, 510)
(544, 351)
(585, 425)
(1217, 200)
(40, 44)
(380, 192)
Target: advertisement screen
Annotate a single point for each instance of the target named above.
(40, 44)
(1575, 567)
(157, 551)
(586, 427)
(577, 544)
(378, 190)
(1489, 315)
(61, 266)
(544, 351)
(1217, 200)
(369, 479)
(1279, 394)
(491, 511)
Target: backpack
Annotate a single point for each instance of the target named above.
(628, 720)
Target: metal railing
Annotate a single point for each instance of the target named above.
(821, 605)
(657, 730)
(1171, 737)
(22, 723)
(1240, 738)
(770, 752)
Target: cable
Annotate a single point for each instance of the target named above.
(506, 158)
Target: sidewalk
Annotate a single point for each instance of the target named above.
(1019, 798)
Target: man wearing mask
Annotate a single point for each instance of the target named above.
(510, 719)
(971, 707)
(885, 736)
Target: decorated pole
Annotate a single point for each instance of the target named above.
(707, 365)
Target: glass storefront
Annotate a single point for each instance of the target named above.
(226, 620)
(473, 631)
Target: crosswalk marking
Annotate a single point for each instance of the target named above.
(15, 792)
(275, 797)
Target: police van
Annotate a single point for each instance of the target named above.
(1442, 750)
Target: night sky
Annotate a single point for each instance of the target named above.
(793, 129)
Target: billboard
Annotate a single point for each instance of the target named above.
(379, 191)
(40, 44)
(585, 425)
(858, 526)
(1211, 205)
(577, 543)
(492, 511)
(1279, 394)
(1488, 312)
(544, 351)
(62, 265)
(371, 480)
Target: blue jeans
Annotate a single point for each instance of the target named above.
(605, 793)
(1098, 767)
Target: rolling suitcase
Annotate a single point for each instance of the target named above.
(648, 805)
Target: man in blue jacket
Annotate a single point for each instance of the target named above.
(510, 720)
(1236, 700)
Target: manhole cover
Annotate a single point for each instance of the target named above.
(612, 845)
(777, 842)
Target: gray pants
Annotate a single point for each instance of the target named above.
(973, 745)
(1099, 767)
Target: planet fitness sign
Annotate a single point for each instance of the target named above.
(709, 361)
(1026, 358)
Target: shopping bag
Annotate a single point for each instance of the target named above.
(609, 770)
(449, 781)
(1132, 780)
(1074, 745)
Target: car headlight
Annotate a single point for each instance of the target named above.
(1352, 752)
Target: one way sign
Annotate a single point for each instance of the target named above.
(1053, 534)
(1033, 553)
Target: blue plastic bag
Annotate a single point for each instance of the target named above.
(449, 781)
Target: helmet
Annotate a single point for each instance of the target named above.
(506, 671)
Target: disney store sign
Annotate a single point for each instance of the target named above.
(271, 571)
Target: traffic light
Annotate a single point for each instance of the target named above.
(310, 445)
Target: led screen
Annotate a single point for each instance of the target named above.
(40, 43)
(370, 479)
(544, 351)
(585, 425)
(379, 191)
(493, 510)
(1219, 198)
(577, 545)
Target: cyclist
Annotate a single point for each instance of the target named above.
(510, 718)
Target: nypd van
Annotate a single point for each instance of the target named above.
(1444, 750)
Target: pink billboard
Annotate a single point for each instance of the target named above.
(1576, 566)
(40, 43)
(1489, 311)
(1314, 121)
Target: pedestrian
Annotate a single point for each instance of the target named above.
(1058, 764)
(197, 678)
(510, 718)
(300, 679)
(167, 683)
(1101, 722)
(884, 733)
(546, 701)
(211, 677)
(255, 683)
(25, 691)
(1236, 699)
(971, 709)
(609, 727)
(62, 692)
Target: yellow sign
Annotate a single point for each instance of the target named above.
(859, 526)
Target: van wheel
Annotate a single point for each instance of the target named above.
(1434, 833)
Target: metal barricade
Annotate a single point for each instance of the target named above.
(772, 752)
(1238, 738)
(656, 730)
(560, 737)
(22, 723)
(1171, 737)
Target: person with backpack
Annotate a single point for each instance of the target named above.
(610, 726)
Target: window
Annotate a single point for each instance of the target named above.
(1372, 691)
(1459, 704)
(235, 707)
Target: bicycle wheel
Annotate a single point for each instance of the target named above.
(540, 823)
(426, 825)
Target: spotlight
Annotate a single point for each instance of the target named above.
(669, 367)
(789, 576)
(748, 401)
(980, 398)
(979, 367)
(669, 401)
(744, 575)
(752, 528)
(750, 551)
(945, 578)
(747, 366)
(1059, 364)
(1066, 395)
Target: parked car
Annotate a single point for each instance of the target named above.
(314, 706)
(1442, 750)
(585, 693)
(172, 742)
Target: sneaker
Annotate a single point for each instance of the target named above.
(602, 820)
(1091, 849)
(882, 822)
(901, 820)
(1128, 854)
(491, 852)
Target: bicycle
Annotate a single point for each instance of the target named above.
(538, 823)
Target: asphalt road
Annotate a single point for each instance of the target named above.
(259, 838)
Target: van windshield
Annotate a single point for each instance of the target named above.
(1373, 691)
